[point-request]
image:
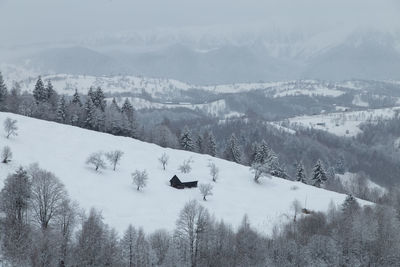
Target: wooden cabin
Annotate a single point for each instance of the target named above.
(176, 183)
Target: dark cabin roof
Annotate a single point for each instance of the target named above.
(175, 180)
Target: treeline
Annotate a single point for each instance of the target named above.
(234, 140)
(41, 226)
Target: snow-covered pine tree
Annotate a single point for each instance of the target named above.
(49, 91)
(211, 145)
(89, 114)
(99, 99)
(300, 173)
(186, 140)
(76, 98)
(62, 110)
(3, 93)
(128, 109)
(199, 144)
(233, 151)
(39, 93)
(319, 175)
(340, 165)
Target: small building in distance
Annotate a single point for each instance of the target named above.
(176, 183)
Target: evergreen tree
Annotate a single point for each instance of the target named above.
(340, 166)
(128, 109)
(99, 99)
(233, 151)
(3, 93)
(199, 144)
(49, 91)
(39, 93)
(319, 175)
(300, 175)
(62, 110)
(211, 145)
(89, 114)
(186, 140)
(76, 98)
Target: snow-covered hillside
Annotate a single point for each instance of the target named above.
(344, 123)
(64, 149)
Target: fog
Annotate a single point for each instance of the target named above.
(27, 21)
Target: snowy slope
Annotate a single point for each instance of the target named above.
(344, 123)
(63, 150)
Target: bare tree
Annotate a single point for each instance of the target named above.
(6, 154)
(205, 190)
(96, 159)
(191, 225)
(140, 178)
(185, 167)
(214, 171)
(114, 157)
(160, 243)
(164, 160)
(10, 127)
(48, 195)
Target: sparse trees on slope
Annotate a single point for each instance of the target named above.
(186, 140)
(319, 175)
(214, 171)
(114, 157)
(163, 160)
(6, 154)
(140, 179)
(233, 151)
(10, 127)
(96, 159)
(205, 190)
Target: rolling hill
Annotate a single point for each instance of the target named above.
(64, 149)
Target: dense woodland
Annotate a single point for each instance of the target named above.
(41, 226)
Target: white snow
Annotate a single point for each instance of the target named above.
(63, 150)
(344, 123)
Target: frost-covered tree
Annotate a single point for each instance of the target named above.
(259, 170)
(50, 93)
(160, 242)
(140, 178)
(114, 157)
(128, 246)
(39, 92)
(96, 159)
(186, 140)
(340, 165)
(6, 154)
(191, 226)
(14, 203)
(186, 167)
(163, 160)
(214, 171)
(233, 150)
(300, 173)
(62, 110)
(319, 175)
(10, 127)
(205, 190)
(3, 93)
(48, 195)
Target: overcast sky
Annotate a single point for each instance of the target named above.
(28, 21)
